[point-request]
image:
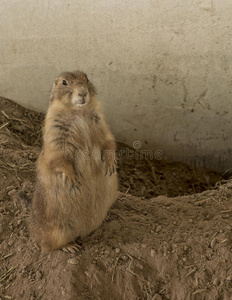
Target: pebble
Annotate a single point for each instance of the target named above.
(125, 257)
(73, 261)
(156, 297)
(140, 266)
(107, 252)
(10, 243)
(229, 278)
(31, 156)
(9, 188)
(12, 192)
(38, 275)
(158, 229)
(17, 114)
(19, 248)
(11, 277)
(19, 222)
(117, 250)
(216, 281)
(152, 252)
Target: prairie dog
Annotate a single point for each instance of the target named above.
(76, 171)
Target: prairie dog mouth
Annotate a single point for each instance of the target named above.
(80, 101)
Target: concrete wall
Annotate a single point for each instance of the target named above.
(163, 68)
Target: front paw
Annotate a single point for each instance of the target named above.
(110, 167)
(108, 157)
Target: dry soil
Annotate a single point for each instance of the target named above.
(168, 236)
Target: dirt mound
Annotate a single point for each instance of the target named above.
(150, 246)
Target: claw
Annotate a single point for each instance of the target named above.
(72, 248)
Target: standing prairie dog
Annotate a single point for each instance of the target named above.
(76, 171)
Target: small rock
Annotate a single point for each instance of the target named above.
(31, 156)
(117, 250)
(40, 287)
(152, 252)
(19, 222)
(158, 229)
(73, 261)
(229, 278)
(17, 114)
(125, 257)
(19, 248)
(12, 193)
(156, 297)
(107, 252)
(21, 232)
(10, 243)
(38, 275)
(174, 223)
(216, 281)
(11, 277)
(9, 188)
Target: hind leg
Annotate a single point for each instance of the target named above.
(56, 239)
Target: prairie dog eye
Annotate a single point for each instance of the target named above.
(64, 82)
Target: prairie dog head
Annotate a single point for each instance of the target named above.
(72, 88)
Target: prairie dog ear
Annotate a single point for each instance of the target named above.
(87, 79)
(56, 80)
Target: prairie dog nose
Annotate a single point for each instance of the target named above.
(82, 92)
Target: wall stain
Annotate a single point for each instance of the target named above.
(209, 6)
(198, 101)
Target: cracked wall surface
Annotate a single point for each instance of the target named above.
(162, 68)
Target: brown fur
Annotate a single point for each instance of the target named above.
(76, 178)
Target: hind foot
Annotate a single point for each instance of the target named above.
(72, 248)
